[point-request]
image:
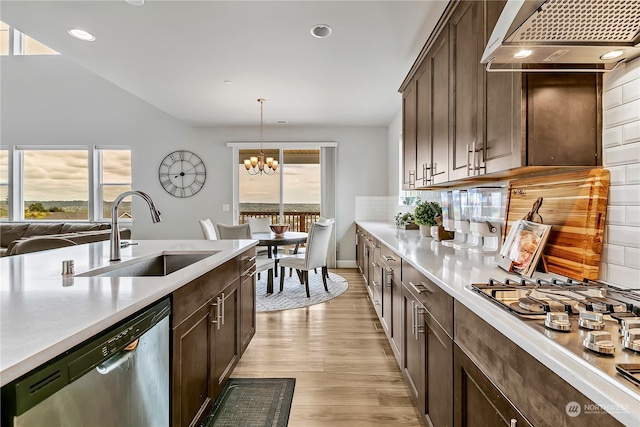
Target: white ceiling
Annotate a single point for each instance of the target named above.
(176, 55)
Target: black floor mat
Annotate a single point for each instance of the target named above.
(253, 402)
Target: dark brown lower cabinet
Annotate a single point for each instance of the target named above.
(428, 362)
(478, 402)
(247, 306)
(192, 395)
(226, 335)
(213, 319)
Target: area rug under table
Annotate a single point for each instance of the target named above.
(294, 294)
(253, 402)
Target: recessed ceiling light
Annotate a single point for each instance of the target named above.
(135, 2)
(228, 82)
(81, 34)
(612, 54)
(321, 31)
(523, 54)
(281, 122)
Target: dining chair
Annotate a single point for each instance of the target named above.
(315, 255)
(242, 231)
(259, 225)
(208, 230)
(301, 250)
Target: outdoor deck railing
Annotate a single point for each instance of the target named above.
(298, 221)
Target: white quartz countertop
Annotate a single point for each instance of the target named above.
(43, 314)
(453, 270)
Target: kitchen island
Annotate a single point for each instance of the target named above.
(43, 313)
(453, 271)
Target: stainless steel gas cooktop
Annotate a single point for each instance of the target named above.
(598, 322)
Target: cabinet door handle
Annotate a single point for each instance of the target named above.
(222, 308)
(413, 318)
(387, 273)
(514, 423)
(473, 159)
(468, 162)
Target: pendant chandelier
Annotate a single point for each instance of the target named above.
(259, 165)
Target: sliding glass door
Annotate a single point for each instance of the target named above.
(290, 196)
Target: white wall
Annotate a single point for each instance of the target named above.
(49, 100)
(621, 148)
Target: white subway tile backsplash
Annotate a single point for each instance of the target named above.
(623, 74)
(632, 258)
(616, 215)
(631, 132)
(617, 175)
(632, 215)
(632, 174)
(631, 91)
(612, 137)
(623, 276)
(623, 236)
(623, 155)
(622, 114)
(612, 254)
(624, 195)
(612, 98)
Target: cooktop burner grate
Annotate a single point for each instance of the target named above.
(527, 297)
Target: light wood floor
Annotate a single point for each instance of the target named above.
(346, 374)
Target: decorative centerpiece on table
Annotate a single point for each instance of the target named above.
(405, 221)
(425, 216)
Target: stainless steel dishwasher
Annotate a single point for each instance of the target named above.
(118, 378)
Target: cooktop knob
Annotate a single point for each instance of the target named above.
(631, 339)
(600, 342)
(591, 320)
(558, 322)
(626, 324)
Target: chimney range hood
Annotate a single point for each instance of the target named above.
(564, 35)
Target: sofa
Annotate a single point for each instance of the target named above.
(12, 233)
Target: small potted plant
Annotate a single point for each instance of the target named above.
(425, 216)
(405, 221)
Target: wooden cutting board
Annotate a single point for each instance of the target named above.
(575, 204)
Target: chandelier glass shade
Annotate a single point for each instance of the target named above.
(258, 165)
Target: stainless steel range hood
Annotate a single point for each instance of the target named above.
(566, 32)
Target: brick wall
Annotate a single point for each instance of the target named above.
(621, 150)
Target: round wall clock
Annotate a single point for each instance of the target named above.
(182, 173)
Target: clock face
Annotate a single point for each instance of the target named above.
(182, 173)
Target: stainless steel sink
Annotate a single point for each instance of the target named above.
(161, 265)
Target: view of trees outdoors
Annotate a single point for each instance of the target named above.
(55, 183)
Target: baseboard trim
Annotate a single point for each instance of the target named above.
(346, 264)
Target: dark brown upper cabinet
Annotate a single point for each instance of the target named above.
(461, 122)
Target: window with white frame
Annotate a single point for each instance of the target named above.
(14, 42)
(65, 183)
(114, 166)
(4, 184)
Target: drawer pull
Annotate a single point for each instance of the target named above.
(418, 287)
(388, 258)
(427, 287)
